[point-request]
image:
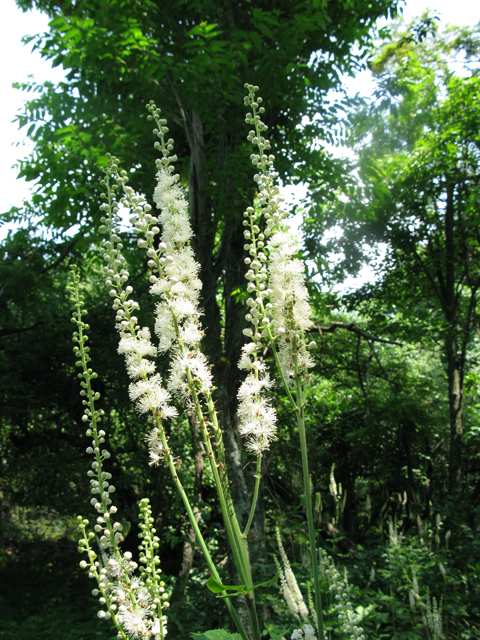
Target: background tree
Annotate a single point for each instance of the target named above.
(418, 196)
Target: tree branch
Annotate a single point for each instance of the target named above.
(8, 332)
(351, 326)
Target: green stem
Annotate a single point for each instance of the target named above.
(298, 407)
(252, 613)
(228, 513)
(258, 477)
(279, 369)
(198, 533)
(237, 542)
(308, 507)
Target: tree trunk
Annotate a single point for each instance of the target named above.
(455, 402)
(455, 360)
(223, 358)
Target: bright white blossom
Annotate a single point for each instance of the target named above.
(150, 396)
(289, 297)
(257, 417)
(134, 621)
(138, 367)
(167, 193)
(196, 363)
(155, 446)
(248, 356)
(177, 322)
(138, 345)
(307, 633)
(290, 590)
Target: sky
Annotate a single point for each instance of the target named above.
(20, 63)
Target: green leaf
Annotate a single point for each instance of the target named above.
(265, 584)
(266, 31)
(217, 587)
(282, 633)
(216, 634)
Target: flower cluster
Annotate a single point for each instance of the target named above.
(346, 614)
(279, 318)
(433, 618)
(290, 590)
(257, 416)
(146, 390)
(175, 283)
(278, 308)
(175, 278)
(134, 604)
(306, 633)
(286, 316)
(291, 311)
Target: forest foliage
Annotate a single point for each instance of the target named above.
(393, 408)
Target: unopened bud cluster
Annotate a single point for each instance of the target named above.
(99, 479)
(269, 207)
(150, 563)
(257, 276)
(269, 198)
(346, 614)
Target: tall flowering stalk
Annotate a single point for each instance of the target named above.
(291, 592)
(134, 603)
(346, 615)
(284, 319)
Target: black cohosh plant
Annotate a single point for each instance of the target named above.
(279, 319)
